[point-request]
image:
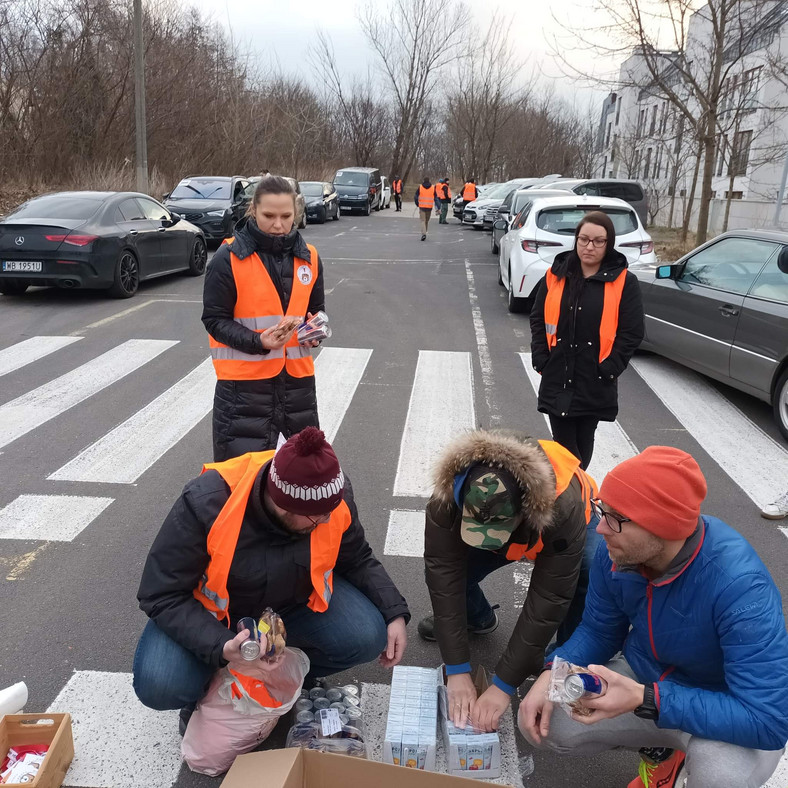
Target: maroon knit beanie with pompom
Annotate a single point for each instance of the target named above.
(304, 476)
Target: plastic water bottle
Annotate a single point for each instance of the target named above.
(526, 764)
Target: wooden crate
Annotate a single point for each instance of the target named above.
(51, 729)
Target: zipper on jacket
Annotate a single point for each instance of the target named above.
(650, 597)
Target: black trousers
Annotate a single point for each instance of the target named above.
(575, 433)
(398, 201)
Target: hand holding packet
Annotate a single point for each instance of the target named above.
(314, 329)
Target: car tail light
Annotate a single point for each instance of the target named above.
(74, 240)
(646, 247)
(534, 246)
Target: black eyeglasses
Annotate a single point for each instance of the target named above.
(614, 523)
(319, 519)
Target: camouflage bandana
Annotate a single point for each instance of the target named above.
(490, 508)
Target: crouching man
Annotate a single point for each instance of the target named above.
(263, 530)
(699, 623)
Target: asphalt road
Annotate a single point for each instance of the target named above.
(69, 616)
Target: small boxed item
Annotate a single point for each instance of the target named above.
(49, 734)
(470, 753)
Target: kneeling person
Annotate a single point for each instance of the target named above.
(263, 530)
(699, 622)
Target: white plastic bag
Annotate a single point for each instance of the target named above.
(224, 725)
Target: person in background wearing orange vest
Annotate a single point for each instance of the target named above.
(586, 322)
(425, 201)
(260, 285)
(501, 497)
(267, 529)
(469, 192)
(396, 188)
(444, 192)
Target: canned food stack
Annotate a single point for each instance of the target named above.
(411, 727)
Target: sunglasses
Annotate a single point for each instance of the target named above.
(613, 522)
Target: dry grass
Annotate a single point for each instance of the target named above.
(667, 243)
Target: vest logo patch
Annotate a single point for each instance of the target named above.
(304, 274)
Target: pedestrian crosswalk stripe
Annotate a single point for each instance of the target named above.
(124, 454)
(758, 464)
(441, 406)
(405, 534)
(611, 444)
(50, 518)
(31, 410)
(118, 742)
(338, 371)
(30, 350)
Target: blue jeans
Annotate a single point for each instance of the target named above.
(352, 631)
(484, 562)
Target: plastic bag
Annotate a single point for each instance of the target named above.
(570, 683)
(228, 722)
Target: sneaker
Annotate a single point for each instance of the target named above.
(423, 237)
(664, 774)
(184, 717)
(426, 627)
(777, 509)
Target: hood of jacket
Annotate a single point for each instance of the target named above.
(612, 265)
(519, 454)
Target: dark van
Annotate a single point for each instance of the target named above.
(359, 189)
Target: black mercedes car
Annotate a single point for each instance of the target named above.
(214, 204)
(95, 240)
(321, 201)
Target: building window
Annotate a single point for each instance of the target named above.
(618, 111)
(647, 168)
(607, 135)
(658, 163)
(653, 120)
(734, 195)
(722, 142)
(664, 125)
(740, 155)
(604, 166)
(750, 84)
(613, 149)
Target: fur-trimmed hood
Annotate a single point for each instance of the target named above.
(518, 454)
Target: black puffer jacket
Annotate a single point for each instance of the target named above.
(574, 383)
(559, 521)
(248, 415)
(270, 568)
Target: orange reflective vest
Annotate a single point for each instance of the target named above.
(426, 197)
(469, 192)
(565, 467)
(396, 186)
(258, 307)
(240, 473)
(607, 326)
(444, 192)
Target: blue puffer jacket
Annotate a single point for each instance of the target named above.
(712, 639)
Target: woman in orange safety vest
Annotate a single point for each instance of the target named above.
(260, 285)
(425, 201)
(586, 322)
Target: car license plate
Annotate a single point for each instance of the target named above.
(22, 266)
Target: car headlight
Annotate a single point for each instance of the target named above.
(215, 213)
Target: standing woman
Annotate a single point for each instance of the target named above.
(258, 287)
(586, 323)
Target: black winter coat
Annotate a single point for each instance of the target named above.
(248, 415)
(270, 568)
(574, 383)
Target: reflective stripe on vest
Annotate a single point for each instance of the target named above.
(258, 307)
(469, 192)
(565, 467)
(426, 197)
(608, 325)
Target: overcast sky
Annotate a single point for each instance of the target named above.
(282, 33)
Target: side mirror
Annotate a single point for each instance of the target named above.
(175, 218)
(666, 272)
(166, 196)
(501, 224)
(782, 260)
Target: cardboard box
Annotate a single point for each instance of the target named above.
(51, 729)
(296, 768)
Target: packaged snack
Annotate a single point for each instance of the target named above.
(272, 634)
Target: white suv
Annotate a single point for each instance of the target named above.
(546, 227)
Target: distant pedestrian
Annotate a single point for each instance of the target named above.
(444, 192)
(438, 196)
(425, 201)
(776, 510)
(469, 192)
(396, 188)
(586, 323)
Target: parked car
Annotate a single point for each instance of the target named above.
(512, 204)
(457, 201)
(545, 227)
(214, 204)
(722, 310)
(480, 212)
(300, 203)
(385, 193)
(359, 189)
(321, 201)
(627, 190)
(95, 240)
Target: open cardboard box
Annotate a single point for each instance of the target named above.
(51, 729)
(296, 768)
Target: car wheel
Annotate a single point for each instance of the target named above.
(367, 210)
(127, 276)
(493, 245)
(500, 277)
(12, 288)
(302, 221)
(781, 403)
(199, 258)
(515, 304)
(337, 213)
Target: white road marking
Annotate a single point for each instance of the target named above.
(483, 348)
(50, 518)
(118, 742)
(31, 410)
(784, 530)
(522, 580)
(441, 407)
(124, 454)
(135, 308)
(405, 534)
(611, 444)
(331, 289)
(30, 350)
(758, 464)
(338, 371)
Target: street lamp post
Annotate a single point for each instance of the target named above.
(139, 101)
